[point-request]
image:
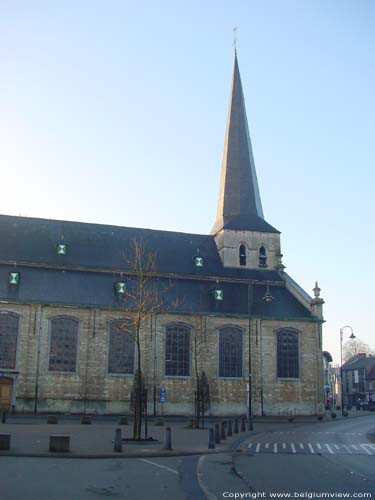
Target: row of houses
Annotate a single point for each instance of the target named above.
(358, 377)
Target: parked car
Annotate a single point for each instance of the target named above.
(361, 405)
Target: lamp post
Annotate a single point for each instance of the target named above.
(352, 336)
(249, 307)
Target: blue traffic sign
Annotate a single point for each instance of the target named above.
(163, 395)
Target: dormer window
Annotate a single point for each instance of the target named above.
(61, 249)
(262, 257)
(242, 255)
(14, 279)
(120, 287)
(218, 294)
(198, 261)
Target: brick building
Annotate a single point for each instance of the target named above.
(63, 288)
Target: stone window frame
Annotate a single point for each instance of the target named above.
(244, 246)
(298, 333)
(243, 332)
(78, 321)
(20, 318)
(265, 256)
(108, 330)
(190, 328)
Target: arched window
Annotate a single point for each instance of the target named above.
(230, 352)
(8, 339)
(63, 345)
(242, 255)
(177, 350)
(120, 348)
(262, 257)
(287, 354)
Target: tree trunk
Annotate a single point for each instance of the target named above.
(137, 427)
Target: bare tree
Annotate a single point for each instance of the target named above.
(353, 347)
(202, 389)
(143, 298)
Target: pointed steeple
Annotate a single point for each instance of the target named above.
(240, 206)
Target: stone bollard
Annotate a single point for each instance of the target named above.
(222, 433)
(4, 441)
(118, 441)
(86, 420)
(52, 419)
(168, 439)
(211, 439)
(229, 429)
(217, 434)
(59, 443)
(236, 425)
(243, 424)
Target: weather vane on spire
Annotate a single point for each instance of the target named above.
(235, 39)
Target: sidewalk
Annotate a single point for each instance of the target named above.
(97, 439)
(30, 436)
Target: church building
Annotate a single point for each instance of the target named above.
(230, 310)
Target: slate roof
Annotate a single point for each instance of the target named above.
(98, 246)
(239, 206)
(358, 363)
(97, 257)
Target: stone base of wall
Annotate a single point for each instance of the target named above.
(100, 407)
(286, 409)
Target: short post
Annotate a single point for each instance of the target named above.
(118, 441)
(223, 434)
(59, 443)
(211, 438)
(168, 439)
(51, 419)
(230, 433)
(4, 417)
(251, 427)
(236, 425)
(4, 441)
(217, 434)
(243, 426)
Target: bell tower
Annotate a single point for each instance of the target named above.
(243, 238)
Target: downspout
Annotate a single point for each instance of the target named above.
(38, 312)
(249, 304)
(155, 362)
(261, 365)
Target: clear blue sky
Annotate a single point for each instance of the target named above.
(114, 112)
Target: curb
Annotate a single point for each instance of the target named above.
(371, 435)
(203, 487)
(140, 454)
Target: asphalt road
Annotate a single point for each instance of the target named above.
(88, 479)
(327, 457)
(303, 461)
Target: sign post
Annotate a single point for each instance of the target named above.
(163, 398)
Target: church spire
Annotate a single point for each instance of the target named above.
(240, 206)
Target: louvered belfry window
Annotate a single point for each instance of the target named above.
(177, 351)
(8, 340)
(230, 352)
(287, 354)
(63, 345)
(121, 348)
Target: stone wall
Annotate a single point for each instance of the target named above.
(228, 243)
(93, 389)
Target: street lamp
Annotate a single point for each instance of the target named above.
(352, 336)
